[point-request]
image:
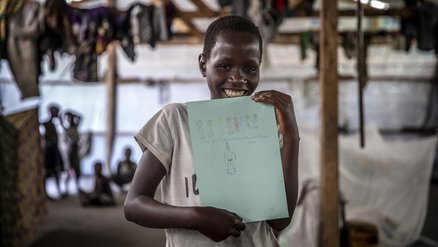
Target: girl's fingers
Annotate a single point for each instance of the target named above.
(273, 97)
(240, 225)
(235, 233)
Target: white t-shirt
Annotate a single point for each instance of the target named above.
(167, 136)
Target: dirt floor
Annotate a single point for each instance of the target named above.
(67, 224)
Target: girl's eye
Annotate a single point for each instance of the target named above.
(224, 66)
(250, 69)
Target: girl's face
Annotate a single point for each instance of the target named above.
(233, 67)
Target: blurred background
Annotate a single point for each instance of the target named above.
(117, 70)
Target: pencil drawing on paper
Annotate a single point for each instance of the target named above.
(230, 158)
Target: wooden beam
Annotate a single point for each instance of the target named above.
(203, 8)
(329, 124)
(188, 22)
(311, 79)
(402, 12)
(193, 14)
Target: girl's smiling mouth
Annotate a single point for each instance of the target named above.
(231, 93)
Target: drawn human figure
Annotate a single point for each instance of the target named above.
(230, 126)
(210, 129)
(230, 158)
(236, 124)
(255, 119)
(200, 125)
(248, 121)
(242, 123)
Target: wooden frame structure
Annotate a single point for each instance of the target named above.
(194, 35)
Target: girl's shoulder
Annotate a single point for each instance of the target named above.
(173, 108)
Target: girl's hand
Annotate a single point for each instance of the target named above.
(217, 224)
(284, 110)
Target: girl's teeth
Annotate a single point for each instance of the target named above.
(233, 93)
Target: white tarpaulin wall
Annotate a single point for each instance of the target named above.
(386, 183)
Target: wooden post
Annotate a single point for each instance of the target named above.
(329, 124)
(111, 85)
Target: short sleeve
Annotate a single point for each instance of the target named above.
(156, 137)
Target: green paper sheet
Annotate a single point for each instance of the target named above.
(237, 157)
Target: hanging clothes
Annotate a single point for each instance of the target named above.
(349, 46)
(409, 25)
(7, 8)
(160, 23)
(427, 35)
(85, 32)
(151, 23)
(85, 67)
(58, 27)
(122, 29)
(58, 33)
(364, 69)
(146, 25)
(23, 49)
(316, 49)
(170, 10)
(224, 3)
(306, 40)
(310, 40)
(240, 7)
(348, 43)
(94, 29)
(268, 16)
(135, 22)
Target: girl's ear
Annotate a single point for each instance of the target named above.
(202, 65)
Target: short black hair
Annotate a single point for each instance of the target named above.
(229, 23)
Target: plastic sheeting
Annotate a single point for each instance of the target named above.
(386, 183)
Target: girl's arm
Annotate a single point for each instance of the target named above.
(141, 207)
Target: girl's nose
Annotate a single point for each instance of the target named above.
(237, 77)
